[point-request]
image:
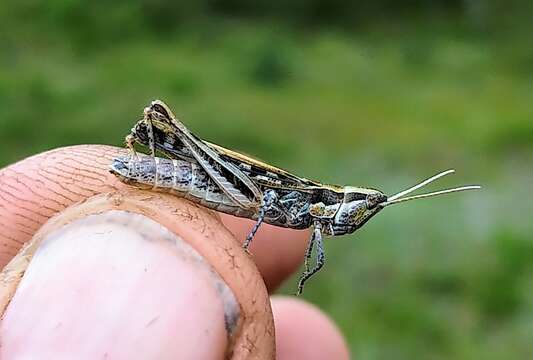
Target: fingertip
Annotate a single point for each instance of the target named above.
(253, 326)
(304, 332)
(115, 285)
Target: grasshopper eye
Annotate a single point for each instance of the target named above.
(373, 200)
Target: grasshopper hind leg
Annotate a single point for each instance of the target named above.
(269, 198)
(316, 240)
(151, 138)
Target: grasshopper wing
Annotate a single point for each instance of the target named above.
(226, 175)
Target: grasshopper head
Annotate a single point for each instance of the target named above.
(357, 207)
(360, 204)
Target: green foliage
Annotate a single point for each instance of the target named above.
(384, 104)
(272, 65)
(497, 289)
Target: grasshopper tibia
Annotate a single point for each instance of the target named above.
(269, 198)
(316, 239)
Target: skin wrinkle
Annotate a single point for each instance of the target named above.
(68, 179)
(19, 215)
(10, 249)
(71, 177)
(13, 181)
(6, 225)
(62, 173)
(100, 163)
(9, 237)
(43, 189)
(109, 153)
(10, 198)
(84, 170)
(18, 179)
(50, 173)
(8, 252)
(19, 227)
(51, 180)
(78, 173)
(51, 176)
(13, 195)
(12, 239)
(106, 151)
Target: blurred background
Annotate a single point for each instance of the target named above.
(378, 93)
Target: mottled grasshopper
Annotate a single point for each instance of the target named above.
(230, 182)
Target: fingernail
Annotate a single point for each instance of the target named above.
(118, 285)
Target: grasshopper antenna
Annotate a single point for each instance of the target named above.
(397, 198)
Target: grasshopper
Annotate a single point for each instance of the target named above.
(233, 183)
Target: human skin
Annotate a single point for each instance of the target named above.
(112, 276)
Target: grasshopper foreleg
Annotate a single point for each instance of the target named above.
(269, 198)
(316, 239)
